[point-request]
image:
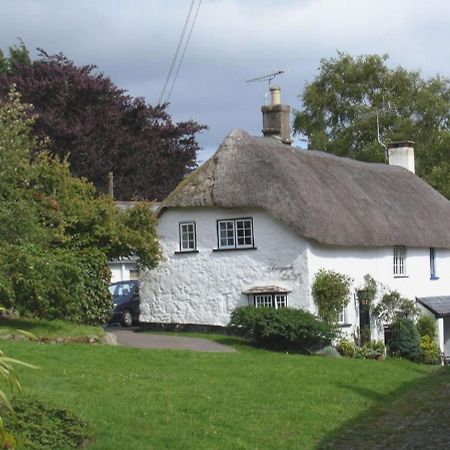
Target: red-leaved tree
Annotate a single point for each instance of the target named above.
(101, 128)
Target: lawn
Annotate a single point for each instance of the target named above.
(253, 399)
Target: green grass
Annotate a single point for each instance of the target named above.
(253, 399)
(47, 329)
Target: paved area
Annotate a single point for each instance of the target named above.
(128, 337)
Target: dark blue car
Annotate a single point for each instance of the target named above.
(125, 296)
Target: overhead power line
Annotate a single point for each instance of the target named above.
(163, 98)
(184, 51)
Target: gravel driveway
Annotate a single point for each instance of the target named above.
(129, 337)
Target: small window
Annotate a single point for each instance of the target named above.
(433, 272)
(270, 301)
(341, 317)
(235, 233)
(188, 239)
(399, 261)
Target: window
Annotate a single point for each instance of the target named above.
(235, 233)
(341, 316)
(270, 301)
(399, 261)
(433, 272)
(188, 239)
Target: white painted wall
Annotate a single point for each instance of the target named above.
(204, 287)
(378, 262)
(122, 270)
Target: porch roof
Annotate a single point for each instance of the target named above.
(439, 306)
(266, 290)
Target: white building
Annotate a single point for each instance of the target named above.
(255, 223)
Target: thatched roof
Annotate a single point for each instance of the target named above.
(329, 199)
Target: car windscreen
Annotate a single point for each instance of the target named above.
(122, 289)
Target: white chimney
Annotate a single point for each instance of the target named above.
(401, 153)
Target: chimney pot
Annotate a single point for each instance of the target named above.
(401, 153)
(276, 118)
(275, 92)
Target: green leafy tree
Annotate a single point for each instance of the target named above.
(393, 306)
(331, 293)
(56, 234)
(341, 105)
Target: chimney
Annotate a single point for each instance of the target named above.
(276, 118)
(401, 153)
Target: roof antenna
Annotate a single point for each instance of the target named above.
(268, 77)
(384, 110)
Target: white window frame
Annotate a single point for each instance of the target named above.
(188, 237)
(266, 300)
(399, 261)
(342, 316)
(241, 228)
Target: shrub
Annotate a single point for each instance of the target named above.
(330, 291)
(283, 329)
(39, 426)
(346, 348)
(330, 352)
(404, 339)
(430, 352)
(393, 306)
(372, 350)
(426, 326)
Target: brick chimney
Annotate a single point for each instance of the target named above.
(276, 118)
(401, 153)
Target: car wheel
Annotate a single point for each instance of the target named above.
(127, 318)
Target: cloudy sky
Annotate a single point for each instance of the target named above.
(133, 42)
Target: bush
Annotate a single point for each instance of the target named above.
(426, 326)
(404, 339)
(372, 350)
(38, 426)
(430, 352)
(283, 329)
(57, 284)
(346, 348)
(330, 291)
(330, 352)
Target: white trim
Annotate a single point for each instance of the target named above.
(188, 236)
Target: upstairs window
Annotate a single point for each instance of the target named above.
(188, 238)
(235, 233)
(399, 261)
(433, 272)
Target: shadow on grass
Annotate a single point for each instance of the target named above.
(414, 416)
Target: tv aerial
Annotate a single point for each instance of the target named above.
(386, 110)
(268, 77)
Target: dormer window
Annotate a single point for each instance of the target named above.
(399, 261)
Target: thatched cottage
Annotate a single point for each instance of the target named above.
(255, 223)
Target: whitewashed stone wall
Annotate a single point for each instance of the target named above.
(378, 262)
(204, 287)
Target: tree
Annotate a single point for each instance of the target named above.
(331, 293)
(341, 105)
(101, 128)
(56, 234)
